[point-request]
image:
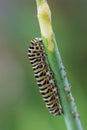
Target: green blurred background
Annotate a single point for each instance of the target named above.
(21, 106)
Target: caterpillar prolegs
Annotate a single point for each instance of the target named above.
(44, 76)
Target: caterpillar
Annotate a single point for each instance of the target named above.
(44, 76)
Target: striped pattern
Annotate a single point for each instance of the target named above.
(44, 76)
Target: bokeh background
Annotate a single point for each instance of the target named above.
(21, 106)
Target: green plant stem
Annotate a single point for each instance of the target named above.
(71, 115)
(39, 2)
